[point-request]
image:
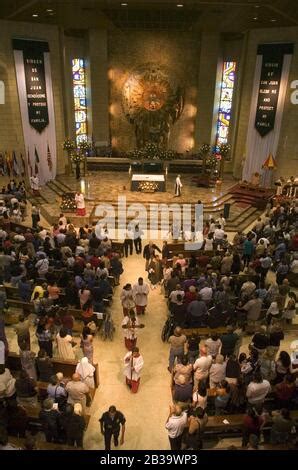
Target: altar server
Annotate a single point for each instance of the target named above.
(133, 364)
(80, 202)
(130, 325)
(140, 295)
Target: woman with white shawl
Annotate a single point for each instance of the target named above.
(86, 371)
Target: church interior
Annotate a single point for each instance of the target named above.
(148, 225)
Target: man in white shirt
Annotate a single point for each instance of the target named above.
(221, 221)
(219, 234)
(265, 241)
(257, 390)
(175, 425)
(174, 293)
(206, 293)
(202, 366)
(140, 293)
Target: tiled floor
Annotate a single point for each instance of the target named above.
(107, 186)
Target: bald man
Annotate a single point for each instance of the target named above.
(77, 391)
(175, 425)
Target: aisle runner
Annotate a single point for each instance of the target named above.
(33, 71)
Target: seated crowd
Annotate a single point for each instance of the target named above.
(67, 271)
(58, 273)
(226, 286)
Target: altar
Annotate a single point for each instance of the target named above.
(148, 183)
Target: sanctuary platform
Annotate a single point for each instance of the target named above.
(106, 187)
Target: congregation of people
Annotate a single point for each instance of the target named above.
(246, 287)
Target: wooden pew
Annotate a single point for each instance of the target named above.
(41, 445)
(66, 367)
(204, 331)
(43, 386)
(33, 417)
(26, 307)
(12, 292)
(216, 425)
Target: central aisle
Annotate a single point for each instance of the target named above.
(147, 411)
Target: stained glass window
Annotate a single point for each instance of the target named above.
(225, 104)
(80, 103)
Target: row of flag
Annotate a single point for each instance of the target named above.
(13, 165)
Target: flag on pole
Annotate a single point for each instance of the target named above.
(49, 158)
(269, 163)
(30, 171)
(23, 171)
(2, 165)
(15, 166)
(36, 161)
(7, 160)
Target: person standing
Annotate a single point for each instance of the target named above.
(34, 184)
(87, 343)
(149, 253)
(133, 364)
(128, 242)
(110, 424)
(178, 344)
(248, 249)
(116, 268)
(178, 186)
(22, 330)
(130, 324)
(77, 391)
(175, 425)
(80, 202)
(126, 298)
(140, 295)
(137, 239)
(65, 345)
(35, 216)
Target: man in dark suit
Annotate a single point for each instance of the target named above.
(149, 252)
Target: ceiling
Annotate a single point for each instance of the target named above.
(211, 15)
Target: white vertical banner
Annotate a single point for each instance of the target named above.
(259, 147)
(34, 81)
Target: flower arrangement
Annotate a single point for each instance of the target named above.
(152, 152)
(204, 149)
(211, 162)
(68, 145)
(225, 151)
(85, 146)
(68, 203)
(76, 158)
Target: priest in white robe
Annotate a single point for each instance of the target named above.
(178, 186)
(140, 296)
(34, 184)
(133, 364)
